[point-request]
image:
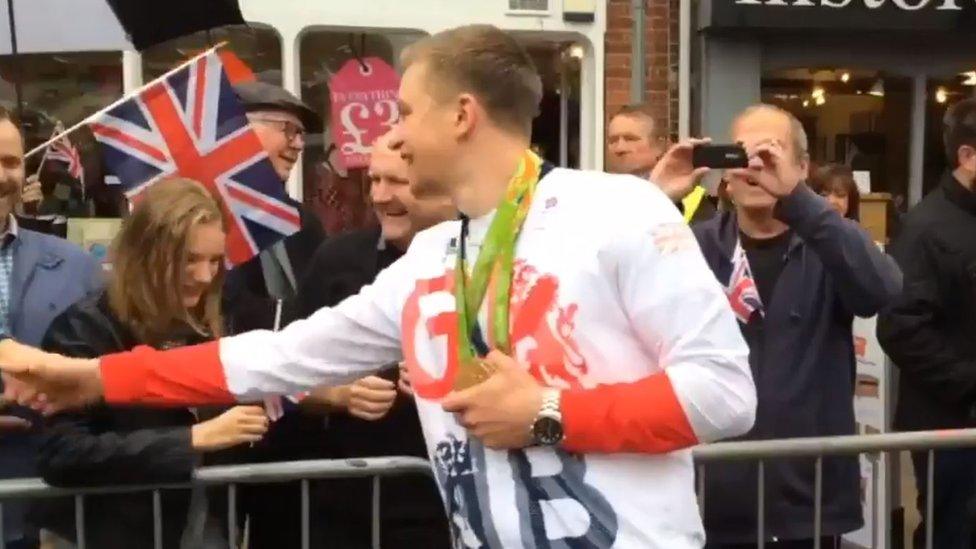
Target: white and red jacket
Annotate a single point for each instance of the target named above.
(611, 301)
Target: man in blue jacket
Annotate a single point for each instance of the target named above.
(796, 273)
(40, 276)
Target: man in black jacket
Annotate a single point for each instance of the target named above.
(367, 418)
(796, 273)
(930, 333)
(252, 289)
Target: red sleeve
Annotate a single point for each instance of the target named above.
(184, 376)
(640, 417)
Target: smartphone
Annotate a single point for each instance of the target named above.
(719, 156)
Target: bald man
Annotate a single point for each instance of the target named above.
(367, 418)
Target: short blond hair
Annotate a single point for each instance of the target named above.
(488, 63)
(148, 258)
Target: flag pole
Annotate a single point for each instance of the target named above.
(54, 135)
(123, 99)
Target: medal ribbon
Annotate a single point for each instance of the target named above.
(495, 263)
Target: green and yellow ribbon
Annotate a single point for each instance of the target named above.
(494, 266)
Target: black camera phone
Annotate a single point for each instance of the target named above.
(719, 156)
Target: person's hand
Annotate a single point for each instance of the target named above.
(501, 410)
(404, 382)
(675, 174)
(370, 398)
(778, 174)
(47, 382)
(32, 193)
(239, 425)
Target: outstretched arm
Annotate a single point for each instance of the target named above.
(333, 346)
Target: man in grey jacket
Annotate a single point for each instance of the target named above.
(40, 276)
(796, 273)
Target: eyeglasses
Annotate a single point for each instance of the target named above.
(290, 129)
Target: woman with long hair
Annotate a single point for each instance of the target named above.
(835, 182)
(164, 291)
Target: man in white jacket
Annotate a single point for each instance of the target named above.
(566, 346)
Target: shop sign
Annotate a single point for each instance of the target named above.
(953, 16)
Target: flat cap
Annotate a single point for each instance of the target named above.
(262, 96)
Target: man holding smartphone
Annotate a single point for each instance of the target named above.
(796, 274)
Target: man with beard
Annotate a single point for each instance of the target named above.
(40, 276)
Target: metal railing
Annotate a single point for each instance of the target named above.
(230, 476)
(375, 468)
(764, 450)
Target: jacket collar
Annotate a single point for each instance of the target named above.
(30, 253)
(957, 194)
(728, 235)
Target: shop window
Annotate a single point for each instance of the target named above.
(340, 195)
(857, 118)
(558, 64)
(47, 90)
(258, 46)
(337, 193)
(852, 117)
(943, 91)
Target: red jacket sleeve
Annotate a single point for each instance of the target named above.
(640, 417)
(185, 376)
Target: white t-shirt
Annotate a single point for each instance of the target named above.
(610, 287)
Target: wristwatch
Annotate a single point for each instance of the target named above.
(547, 429)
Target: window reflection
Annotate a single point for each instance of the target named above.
(338, 195)
(47, 89)
(258, 46)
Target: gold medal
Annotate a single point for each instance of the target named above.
(471, 373)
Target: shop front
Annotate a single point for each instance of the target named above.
(869, 79)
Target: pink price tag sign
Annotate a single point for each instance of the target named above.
(364, 107)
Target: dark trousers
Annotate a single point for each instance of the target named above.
(825, 543)
(952, 500)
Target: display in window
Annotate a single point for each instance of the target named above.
(364, 107)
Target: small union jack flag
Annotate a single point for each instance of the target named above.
(277, 406)
(741, 289)
(190, 123)
(63, 150)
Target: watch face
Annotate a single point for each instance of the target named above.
(547, 431)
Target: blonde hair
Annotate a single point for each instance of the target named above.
(148, 262)
(486, 62)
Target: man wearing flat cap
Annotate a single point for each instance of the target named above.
(253, 289)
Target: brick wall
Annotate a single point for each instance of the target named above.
(661, 58)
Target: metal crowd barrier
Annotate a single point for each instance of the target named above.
(231, 476)
(306, 471)
(762, 450)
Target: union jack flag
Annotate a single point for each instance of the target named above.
(277, 406)
(741, 289)
(63, 150)
(190, 123)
